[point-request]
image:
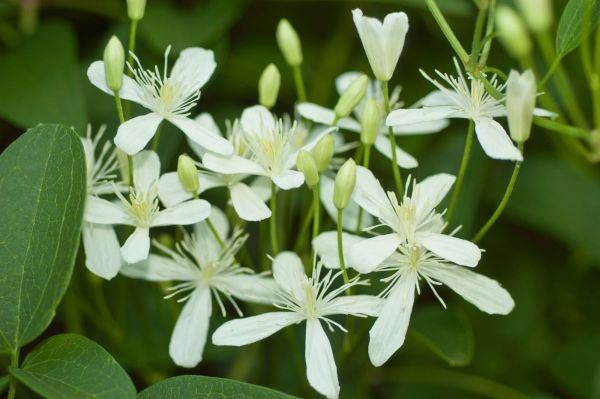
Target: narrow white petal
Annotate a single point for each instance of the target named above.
(257, 119)
(369, 305)
(454, 249)
(420, 128)
(101, 211)
(288, 179)
(370, 196)
(101, 246)
(321, 370)
(170, 190)
(193, 68)
(245, 331)
(325, 245)
(349, 214)
(494, 140)
(247, 204)
(129, 89)
(232, 165)
(250, 288)
(219, 221)
(133, 135)
(410, 116)
(188, 212)
(432, 191)
(137, 246)
(288, 272)
(544, 113)
(366, 255)
(262, 188)
(206, 121)
(159, 268)
(436, 98)
(403, 158)
(326, 116)
(146, 170)
(202, 136)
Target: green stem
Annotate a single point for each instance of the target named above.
(395, 167)
(461, 172)
(563, 129)
(214, 232)
(273, 220)
(304, 229)
(367, 152)
(130, 51)
(447, 31)
(340, 245)
(121, 121)
(299, 82)
(509, 189)
(595, 81)
(481, 16)
(488, 31)
(549, 73)
(12, 381)
(156, 139)
(316, 210)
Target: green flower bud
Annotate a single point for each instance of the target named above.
(268, 86)
(370, 122)
(136, 9)
(289, 43)
(512, 32)
(351, 96)
(114, 62)
(188, 174)
(323, 152)
(344, 184)
(306, 164)
(537, 13)
(520, 102)
(166, 240)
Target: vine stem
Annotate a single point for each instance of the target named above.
(395, 167)
(131, 50)
(121, 121)
(447, 31)
(299, 82)
(367, 156)
(316, 211)
(273, 220)
(12, 381)
(464, 163)
(211, 227)
(340, 245)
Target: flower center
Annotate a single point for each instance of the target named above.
(407, 217)
(142, 207)
(272, 147)
(310, 300)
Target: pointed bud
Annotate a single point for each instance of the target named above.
(136, 9)
(114, 62)
(289, 43)
(188, 174)
(268, 86)
(538, 14)
(344, 184)
(306, 164)
(323, 152)
(512, 32)
(520, 102)
(351, 96)
(370, 122)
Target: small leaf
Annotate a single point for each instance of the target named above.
(578, 19)
(446, 333)
(42, 195)
(71, 366)
(200, 387)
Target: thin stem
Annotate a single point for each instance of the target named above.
(595, 81)
(481, 16)
(563, 129)
(488, 31)
(367, 152)
(316, 211)
(509, 189)
(461, 172)
(340, 244)
(121, 121)
(304, 229)
(299, 82)
(447, 31)
(131, 50)
(273, 220)
(12, 381)
(214, 232)
(550, 72)
(156, 139)
(395, 167)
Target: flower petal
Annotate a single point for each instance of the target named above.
(288, 179)
(101, 211)
(370, 196)
(188, 212)
(403, 158)
(232, 165)
(159, 268)
(411, 116)
(326, 116)
(349, 214)
(366, 255)
(247, 204)
(358, 305)
(137, 246)
(420, 128)
(245, 331)
(325, 245)
(202, 136)
(133, 135)
(494, 140)
(250, 288)
(257, 120)
(171, 191)
(432, 191)
(321, 370)
(288, 272)
(454, 249)
(146, 170)
(101, 246)
(207, 122)
(129, 89)
(192, 69)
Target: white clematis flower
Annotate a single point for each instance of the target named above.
(141, 209)
(167, 96)
(309, 299)
(203, 270)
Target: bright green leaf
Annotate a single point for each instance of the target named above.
(42, 195)
(578, 19)
(200, 387)
(71, 366)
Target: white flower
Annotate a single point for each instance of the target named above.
(202, 268)
(248, 199)
(520, 103)
(141, 209)
(167, 96)
(319, 114)
(383, 42)
(272, 147)
(309, 299)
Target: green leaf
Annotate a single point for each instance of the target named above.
(446, 333)
(42, 195)
(71, 366)
(200, 387)
(578, 19)
(3, 383)
(39, 81)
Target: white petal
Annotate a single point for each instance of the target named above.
(133, 135)
(410, 116)
(101, 211)
(366, 255)
(370, 196)
(421, 128)
(245, 331)
(232, 165)
(349, 214)
(219, 221)
(403, 158)
(544, 113)
(257, 120)
(481, 291)
(247, 204)
(288, 179)
(101, 246)
(192, 69)
(262, 187)
(250, 288)
(369, 305)
(170, 190)
(454, 249)
(129, 89)
(326, 116)
(206, 121)
(494, 140)
(432, 191)
(202, 136)
(137, 246)
(325, 245)
(321, 370)
(288, 272)
(159, 268)
(189, 336)
(435, 98)
(388, 333)
(188, 212)
(146, 170)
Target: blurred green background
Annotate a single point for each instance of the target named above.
(545, 250)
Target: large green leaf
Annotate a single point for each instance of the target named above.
(39, 81)
(71, 366)
(578, 19)
(201, 387)
(42, 195)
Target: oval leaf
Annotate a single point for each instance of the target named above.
(71, 366)
(578, 19)
(42, 195)
(201, 387)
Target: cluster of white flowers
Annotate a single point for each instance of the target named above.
(404, 238)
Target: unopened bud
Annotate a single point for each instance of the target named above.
(289, 43)
(537, 13)
(268, 86)
(370, 122)
(351, 96)
(323, 152)
(344, 184)
(306, 164)
(136, 9)
(512, 32)
(188, 174)
(114, 62)
(520, 102)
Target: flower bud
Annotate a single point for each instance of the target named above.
(537, 14)
(351, 96)
(114, 62)
(136, 9)
(512, 32)
(323, 152)
(188, 174)
(306, 164)
(520, 102)
(370, 122)
(289, 43)
(268, 86)
(344, 184)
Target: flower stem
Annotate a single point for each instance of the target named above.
(485, 52)
(461, 173)
(274, 245)
(156, 139)
(121, 121)
(447, 31)
(304, 229)
(211, 226)
(367, 152)
(316, 211)
(299, 82)
(395, 167)
(12, 381)
(131, 50)
(509, 189)
(475, 47)
(340, 245)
